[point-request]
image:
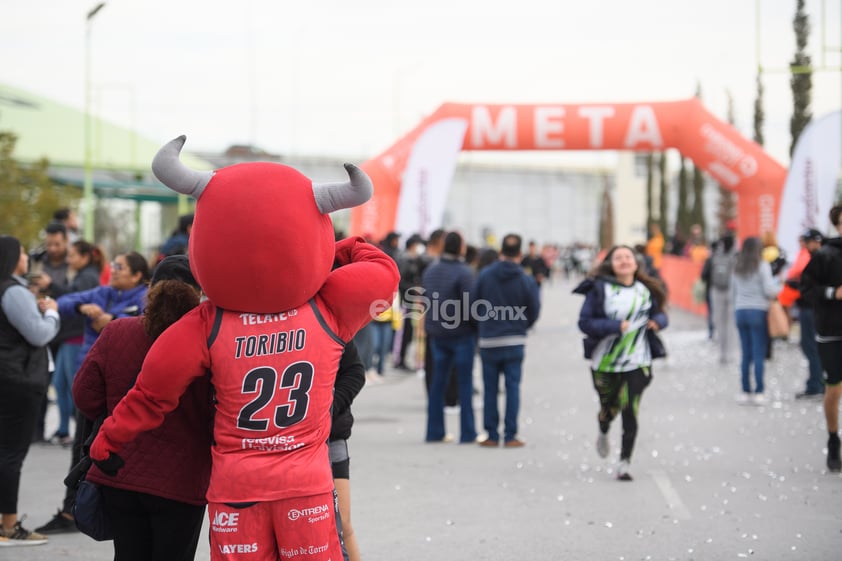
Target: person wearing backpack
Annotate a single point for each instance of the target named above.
(721, 265)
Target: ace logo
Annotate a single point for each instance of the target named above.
(226, 519)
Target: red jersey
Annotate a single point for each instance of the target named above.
(273, 375)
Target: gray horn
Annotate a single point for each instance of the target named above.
(171, 172)
(348, 194)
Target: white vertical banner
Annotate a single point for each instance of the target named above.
(427, 177)
(811, 182)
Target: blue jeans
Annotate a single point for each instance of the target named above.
(63, 383)
(810, 348)
(450, 352)
(507, 361)
(754, 339)
(383, 334)
(364, 339)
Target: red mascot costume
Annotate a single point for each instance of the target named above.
(270, 336)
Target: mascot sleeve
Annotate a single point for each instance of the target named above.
(177, 357)
(362, 285)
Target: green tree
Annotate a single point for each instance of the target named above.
(759, 115)
(663, 196)
(697, 212)
(606, 218)
(27, 195)
(801, 80)
(726, 209)
(650, 188)
(682, 216)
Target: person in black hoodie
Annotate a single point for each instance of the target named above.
(821, 286)
(506, 302)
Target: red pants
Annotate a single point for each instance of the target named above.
(288, 529)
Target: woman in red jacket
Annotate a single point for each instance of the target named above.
(156, 502)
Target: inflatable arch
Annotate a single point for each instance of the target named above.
(413, 176)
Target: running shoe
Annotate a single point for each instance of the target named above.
(623, 471)
(834, 462)
(602, 445)
(744, 398)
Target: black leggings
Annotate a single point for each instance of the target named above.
(151, 527)
(621, 392)
(20, 406)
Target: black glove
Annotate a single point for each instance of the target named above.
(112, 465)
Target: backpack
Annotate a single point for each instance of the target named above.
(721, 267)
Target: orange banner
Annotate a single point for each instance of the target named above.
(736, 162)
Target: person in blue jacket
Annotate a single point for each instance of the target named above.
(125, 296)
(621, 315)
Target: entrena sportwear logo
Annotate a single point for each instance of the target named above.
(295, 514)
(451, 312)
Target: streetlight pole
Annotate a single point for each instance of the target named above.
(88, 186)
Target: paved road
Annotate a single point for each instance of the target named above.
(713, 480)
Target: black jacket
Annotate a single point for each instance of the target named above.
(350, 379)
(21, 364)
(596, 325)
(819, 280)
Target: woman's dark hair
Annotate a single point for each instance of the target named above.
(835, 213)
(89, 250)
(655, 286)
(138, 264)
(9, 255)
(166, 302)
(749, 257)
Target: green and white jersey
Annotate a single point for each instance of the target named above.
(629, 350)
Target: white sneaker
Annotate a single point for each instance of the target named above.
(602, 445)
(20, 536)
(744, 398)
(759, 399)
(373, 378)
(623, 471)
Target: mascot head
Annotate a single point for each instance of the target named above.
(262, 240)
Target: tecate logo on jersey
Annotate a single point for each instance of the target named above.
(260, 319)
(313, 514)
(225, 522)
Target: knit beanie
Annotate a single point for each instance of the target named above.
(174, 267)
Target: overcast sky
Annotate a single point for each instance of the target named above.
(346, 78)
